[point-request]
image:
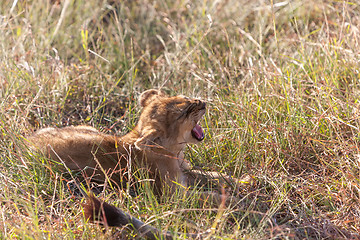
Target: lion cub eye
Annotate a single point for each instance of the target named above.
(201, 104)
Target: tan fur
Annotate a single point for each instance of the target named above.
(156, 143)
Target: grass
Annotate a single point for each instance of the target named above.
(281, 79)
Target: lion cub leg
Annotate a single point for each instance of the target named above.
(214, 188)
(215, 199)
(167, 170)
(171, 175)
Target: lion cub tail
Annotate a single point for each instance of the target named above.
(96, 210)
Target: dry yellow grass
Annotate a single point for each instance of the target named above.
(281, 79)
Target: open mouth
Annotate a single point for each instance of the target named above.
(198, 133)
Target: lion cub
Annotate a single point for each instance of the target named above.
(165, 126)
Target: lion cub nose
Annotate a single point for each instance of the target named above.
(201, 104)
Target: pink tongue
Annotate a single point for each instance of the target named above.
(198, 133)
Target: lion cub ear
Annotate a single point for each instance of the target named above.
(149, 95)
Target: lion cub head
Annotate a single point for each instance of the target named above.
(169, 122)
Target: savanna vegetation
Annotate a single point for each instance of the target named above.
(281, 79)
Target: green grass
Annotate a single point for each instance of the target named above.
(281, 79)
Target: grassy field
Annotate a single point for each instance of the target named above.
(281, 79)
